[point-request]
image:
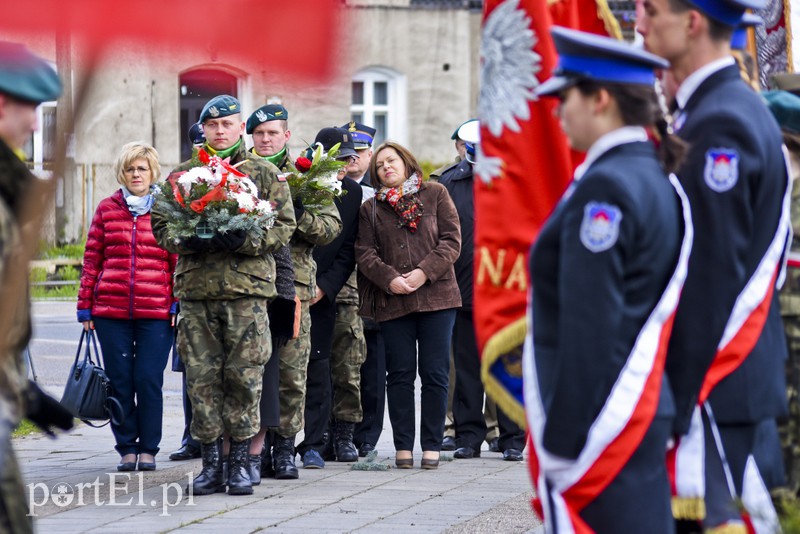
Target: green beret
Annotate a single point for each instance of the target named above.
(270, 112)
(26, 76)
(220, 106)
(786, 108)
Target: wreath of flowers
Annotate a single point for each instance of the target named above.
(214, 197)
(316, 181)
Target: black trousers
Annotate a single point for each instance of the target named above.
(373, 388)
(319, 389)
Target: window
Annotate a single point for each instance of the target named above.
(197, 87)
(379, 100)
(40, 148)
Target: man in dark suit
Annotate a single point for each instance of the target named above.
(727, 349)
(335, 262)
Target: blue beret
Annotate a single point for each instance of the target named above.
(584, 55)
(26, 76)
(270, 112)
(786, 108)
(739, 38)
(727, 12)
(362, 135)
(220, 106)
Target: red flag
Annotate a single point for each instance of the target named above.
(296, 37)
(524, 167)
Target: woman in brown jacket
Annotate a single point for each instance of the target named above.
(408, 239)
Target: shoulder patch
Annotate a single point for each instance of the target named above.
(281, 177)
(722, 169)
(600, 226)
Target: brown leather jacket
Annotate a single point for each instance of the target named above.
(384, 252)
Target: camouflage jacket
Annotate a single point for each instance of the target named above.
(790, 293)
(250, 270)
(13, 377)
(312, 230)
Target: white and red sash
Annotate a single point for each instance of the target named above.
(624, 419)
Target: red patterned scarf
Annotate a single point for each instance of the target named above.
(405, 202)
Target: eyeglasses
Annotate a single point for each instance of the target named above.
(132, 170)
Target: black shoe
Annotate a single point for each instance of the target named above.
(283, 459)
(343, 441)
(126, 466)
(255, 469)
(239, 482)
(267, 469)
(494, 445)
(465, 453)
(365, 449)
(210, 478)
(187, 452)
(328, 453)
(512, 455)
(146, 466)
(448, 444)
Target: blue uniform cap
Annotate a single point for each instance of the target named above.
(328, 137)
(196, 135)
(584, 55)
(362, 135)
(739, 38)
(727, 12)
(26, 76)
(786, 108)
(270, 112)
(220, 106)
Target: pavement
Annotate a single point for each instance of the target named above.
(72, 486)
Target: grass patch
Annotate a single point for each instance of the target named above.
(25, 428)
(44, 285)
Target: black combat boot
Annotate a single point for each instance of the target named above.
(239, 469)
(284, 458)
(345, 449)
(254, 469)
(328, 454)
(210, 478)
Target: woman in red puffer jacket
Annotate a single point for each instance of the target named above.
(126, 296)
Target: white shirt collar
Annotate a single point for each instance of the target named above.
(620, 136)
(693, 81)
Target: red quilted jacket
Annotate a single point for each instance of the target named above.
(126, 275)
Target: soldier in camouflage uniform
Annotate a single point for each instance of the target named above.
(270, 135)
(25, 81)
(786, 108)
(224, 284)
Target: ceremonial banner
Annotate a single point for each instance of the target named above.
(524, 167)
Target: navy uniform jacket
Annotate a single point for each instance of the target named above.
(458, 181)
(735, 218)
(589, 306)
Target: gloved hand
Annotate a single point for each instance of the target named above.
(299, 209)
(232, 240)
(196, 244)
(281, 321)
(45, 411)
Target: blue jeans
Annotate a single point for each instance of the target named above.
(135, 354)
(431, 332)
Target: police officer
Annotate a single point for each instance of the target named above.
(269, 127)
(606, 273)
(335, 262)
(461, 149)
(469, 425)
(26, 80)
(727, 350)
(785, 106)
(354, 338)
(224, 284)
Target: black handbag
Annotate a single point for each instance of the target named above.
(88, 393)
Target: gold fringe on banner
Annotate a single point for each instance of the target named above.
(505, 345)
(787, 21)
(612, 24)
(689, 508)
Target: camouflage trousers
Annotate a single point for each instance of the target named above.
(790, 429)
(225, 344)
(13, 505)
(293, 371)
(348, 353)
